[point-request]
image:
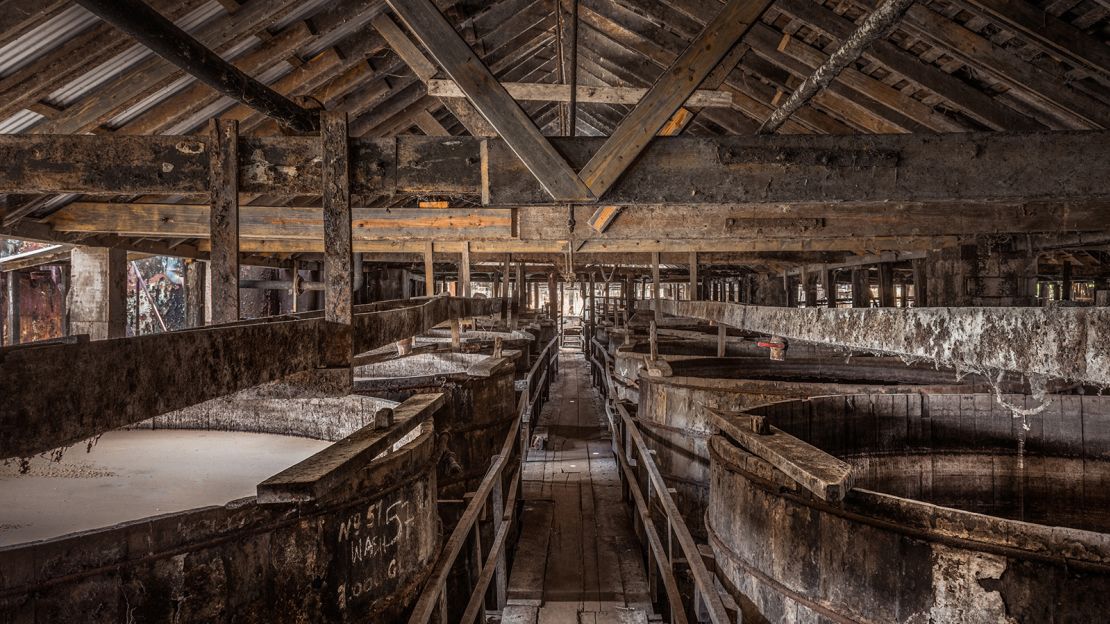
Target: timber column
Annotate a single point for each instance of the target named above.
(338, 256)
(988, 273)
(98, 292)
(767, 290)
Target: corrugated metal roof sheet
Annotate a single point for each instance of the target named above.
(202, 116)
(19, 122)
(302, 10)
(108, 70)
(142, 105)
(47, 36)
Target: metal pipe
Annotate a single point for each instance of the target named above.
(876, 26)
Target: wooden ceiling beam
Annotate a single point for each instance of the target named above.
(558, 247)
(686, 170)
(425, 70)
(561, 93)
(491, 100)
(1049, 91)
(198, 95)
(967, 98)
(1054, 35)
(539, 223)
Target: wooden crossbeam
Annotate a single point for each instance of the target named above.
(861, 244)
(668, 93)
(287, 222)
(492, 101)
(132, 85)
(542, 92)
(849, 169)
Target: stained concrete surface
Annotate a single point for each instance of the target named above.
(132, 474)
(578, 559)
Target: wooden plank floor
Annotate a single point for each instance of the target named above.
(577, 560)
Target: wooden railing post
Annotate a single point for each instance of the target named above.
(500, 578)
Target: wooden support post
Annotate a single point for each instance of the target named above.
(358, 284)
(693, 294)
(506, 309)
(429, 270)
(194, 292)
(920, 283)
(653, 338)
(295, 291)
(568, 15)
(886, 285)
(521, 289)
(791, 291)
(223, 185)
(456, 334)
(591, 305)
(12, 309)
(338, 257)
(722, 337)
(629, 298)
(828, 281)
(861, 289)
(464, 271)
(552, 296)
(809, 285)
(1065, 281)
(655, 280)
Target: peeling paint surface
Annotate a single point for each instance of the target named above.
(959, 582)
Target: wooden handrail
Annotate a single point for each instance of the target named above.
(703, 579)
(433, 591)
(499, 540)
(678, 616)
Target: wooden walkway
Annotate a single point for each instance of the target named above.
(578, 560)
